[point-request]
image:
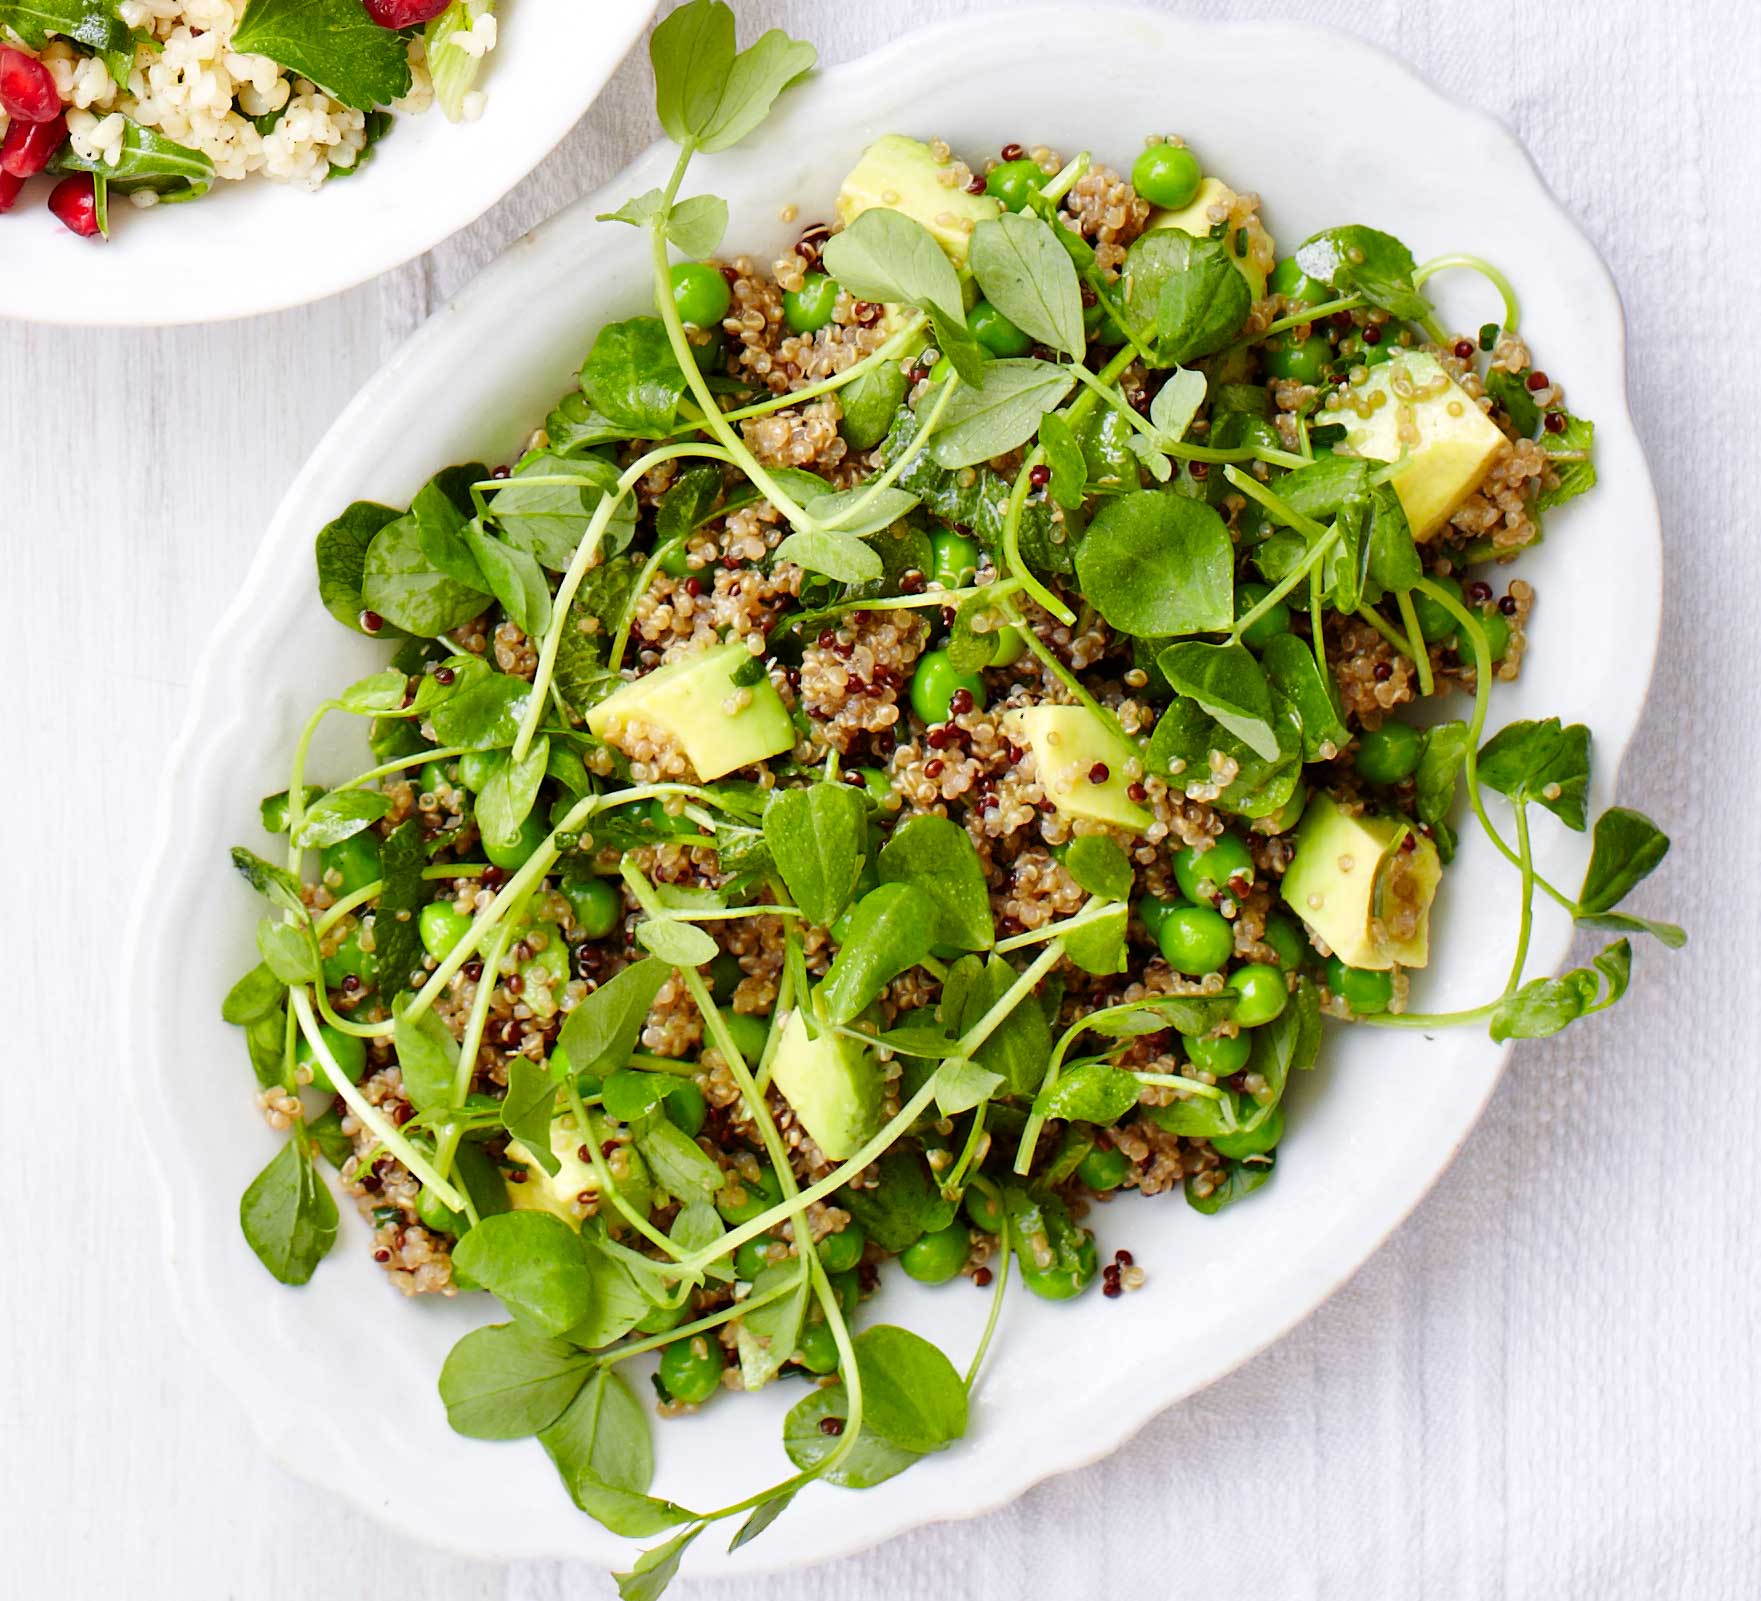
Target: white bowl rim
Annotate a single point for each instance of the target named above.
(1104, 1436)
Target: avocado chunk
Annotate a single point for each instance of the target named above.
(1356, 882)
(561, 1194)
(1070, 744)
(697, 705)
(834, 1085)
(1409, 407)
(1213, 202)
(903, 175)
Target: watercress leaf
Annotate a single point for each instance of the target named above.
(1185, 1014)
(328, 1138)
(836, 555)
(697, 1227)
(881, 509)
(547, 520)
(484, 715)
(428, 1057)
(257, 994)
(1625, 848)
(340, 814)
(675, 943)
(1004, 411)
(1342, 569)
(1365, 261)
(937, 857)
(1155, 565)
(763, 1516)
(440, 526)
(288, 951)
(633, 378)
(527, 1108)
(1231, 687)
(601, 1032)
(931, 1044)
(1187, 288)
(889, 932)
(1541, 1008)
(1093, 1093)
(272, 809)
(1542, 762)
(871, 1461)
(885, 255)
(958, 343)
(1064, 457)
(404, 587)
(1514, 399)
(378, 692)
(603, 1451)
(1187, 741)
(969, 649)
(911, 1393)
(1434, 782)
(818, 835)
(656, 1569)
(1020, 1046)
(679, 1164)
(1177, 402)
(1318, 490)
(688, 502)
(332, 42)
(869, 401)
(508, 796)
(760, 72)
(341, 554)
(1196, 1117)
(902, 1205)
(1028, 276)
(1239, 1179)
(397, 941)
(692, 52)
(1569, 453)
(513, 576)
(961, 1085)
(504, 1382)
(695, 226)
(533, 1262)
(1670, 935)
(1391, 559)
(618, 1301)
(279, 885)
(288, 1215)
(1099, 946)
(1291, 667)
(1100, 866)
(767, 1336)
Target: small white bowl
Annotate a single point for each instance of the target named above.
(257, 246)
(1370, 1131)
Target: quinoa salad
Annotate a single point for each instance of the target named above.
(159, 100)
(915, 750)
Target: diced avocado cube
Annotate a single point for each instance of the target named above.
(1071, 747)
(904, 175)
(719, 724)
(834, 1085)
(561, 1193)
(1409, 407)
(1212, 202)
(1357, 882)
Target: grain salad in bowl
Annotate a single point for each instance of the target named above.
(159, 100)
(917, 748)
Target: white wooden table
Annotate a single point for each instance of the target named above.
(1544, 1386)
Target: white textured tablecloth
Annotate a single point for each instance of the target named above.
(1544, 1386)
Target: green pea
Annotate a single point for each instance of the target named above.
(662, 1318)
(935, 683)
(700, 294)
(1219, 1056)
(1011, 647)
(1104, 1168)
(1287, 939)
(691, 1370)
(441, 926)
(433, 779)
(1289, 280)
(533, 833)
(840, 1252)
(1013, 182)
(1062, 1284)
(1196, 940)
(1306, 362)
(1263, 993)
(350, 1051)
(675, 561)
(351, 864)
(936, 1258)
(752, 1258)
(818, 1350)
(877, 784)
(1204, 876)
(1497, 633)
(597, 903)
(1153, 912)
(1167, 175)
(811, 306)
(707, 349)
(1365, 990)
(1390, 753)
(740, 1202)
(477, 767)
(995, 332)
(953, 559)
(1435, 622)
(848, 1289)
(1269, 624)
(435, 1214)
(749, 1033)
(724, 976)
(348, 960)
(984, 1210)
(1251, 1142)
(685, 1106)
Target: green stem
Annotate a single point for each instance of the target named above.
(990, 1323)
(876, 487)
(1525, 926)
(1018, 568)
(1299, 319)
(420, 759)
(1065, 677)
(1506, 291)
(1311, 559)
(1387, 630)
(1420, 655)
(893, 349)
(1318, 637)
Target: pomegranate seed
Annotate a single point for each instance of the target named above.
(1537, 381)
(396, 14)
(27, 90)
(27, 147)
(75, 203)
(1464, 348)
(9, 188)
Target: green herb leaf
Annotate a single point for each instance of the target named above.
(332, 42)
(1028, 276)
(507, 799)
(340, 814)
(961, 1085)
(869, 401)
(146, 160)
(1019, 1047)
(763, 1516)
(885, 255)
(1099, 947)
(889, 932)
(404, 587)
(676, 943)
(836, 555)
(397, 941)
(883, 508)
(528, 1107)
(937, 857)
(257, 994)
(818, 834)
(279, 885)
(514, 578)
(1186, 738)
(1239, 1179)
(1548, 1005)
(767, 1336)
(532, 1261)
(1542, 762)
(428, 1058)
(994, 417)
(706, 93)
(1155, 565)
(1292, 668)
(1065, 459)
(341, 551)
(911, 1394)
(656, 1569)
(695, 226)
(1187, 288)
(601, 1032)
(288, 951)
(1365, 261)
(680, 1165)
(1391, 559)
(505, 1383)
(1093, 1093)
(1231, 687)
(633, 378)
(603, 1451)
(1572, 463)
(288, 1216)
(1512, 395)
(1625, 849)
(484, 715)
(1177, 402)
(548, 520)
(903, 1204)
(871, 1461)
(1100, 866)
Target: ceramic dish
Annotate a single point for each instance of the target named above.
(1370, 1131)
(256, 246)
